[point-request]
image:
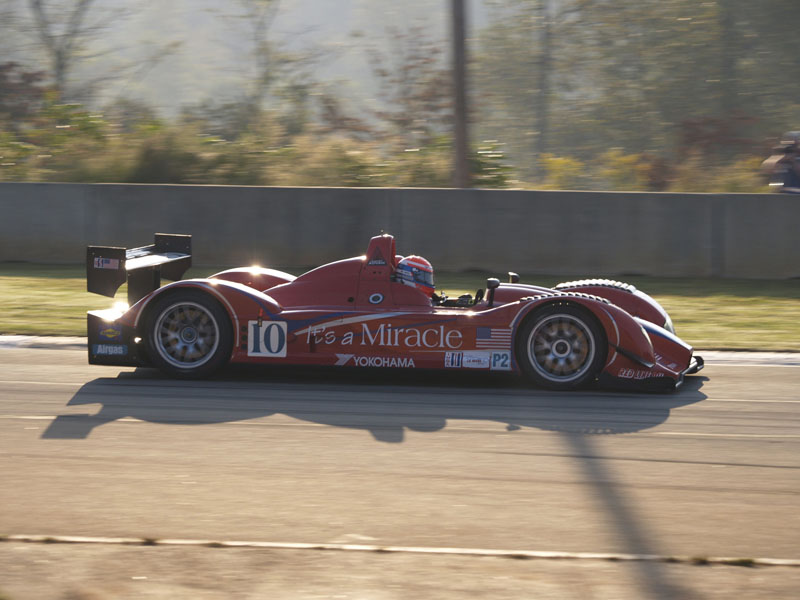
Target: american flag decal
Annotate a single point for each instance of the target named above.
(493, 338)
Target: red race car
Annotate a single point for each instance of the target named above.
(376, 310)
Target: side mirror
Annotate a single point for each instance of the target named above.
(513, 277)
(491, 284)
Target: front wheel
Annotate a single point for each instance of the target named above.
(188, 334)
(561, 347)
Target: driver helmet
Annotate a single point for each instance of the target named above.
(416, 272)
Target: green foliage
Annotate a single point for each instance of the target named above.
(563, 173)
(489, 167)
(16, 157)
(614, 170)
(164, 160)
(414, 86)
(740, 176)
(427, 166)
(68, 143)
(331, 161)
(51, 145)
(623, 172)
(128, 116)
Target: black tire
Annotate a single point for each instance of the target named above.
(187, 334)
(561, 347)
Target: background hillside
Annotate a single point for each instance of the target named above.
(581, 94)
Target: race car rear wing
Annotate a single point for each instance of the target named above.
(108, 267)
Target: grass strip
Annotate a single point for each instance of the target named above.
(734, 314)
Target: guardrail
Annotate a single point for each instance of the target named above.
(571, 233)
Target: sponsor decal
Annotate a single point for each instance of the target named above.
(106, 263)
(111, 332)
(491, 338)
(501, 361)
(375, 361)
(266, 338)
(387, 335)
(661, 359)
(453, 360)
(376, 298)
(377, 259)
(320, 335)
(496, 361)
(109, 349)
(637, 374)
(476, 360)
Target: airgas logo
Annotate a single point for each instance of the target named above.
(109, 349)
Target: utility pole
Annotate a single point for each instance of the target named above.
(460, 131)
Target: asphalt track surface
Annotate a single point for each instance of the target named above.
(392, 484)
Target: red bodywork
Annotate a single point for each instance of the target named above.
(352, 313)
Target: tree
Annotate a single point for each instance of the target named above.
(8, 28)
(414, 87)
(461, 170)
(62, 36)
(526, 63)
(22, 94)
(642, 53)
(335, 119)
(258, 15)
(272, 76)
(663, 77)
(73, 33)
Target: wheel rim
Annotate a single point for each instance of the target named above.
(186, 335)
(561, 348)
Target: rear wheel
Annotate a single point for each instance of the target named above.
(561, 347)
(188, 334)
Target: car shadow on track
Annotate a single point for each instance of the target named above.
(387, 403)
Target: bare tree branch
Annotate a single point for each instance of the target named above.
(43, 25)
(74, 25)
(260, 14)
(64, 30)
(61, 48)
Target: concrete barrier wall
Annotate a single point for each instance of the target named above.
(571, 233)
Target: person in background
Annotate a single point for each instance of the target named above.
(783, 167)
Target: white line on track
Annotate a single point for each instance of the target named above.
(24, 382)
(753, 363)
(726, 435)
(37, 341)
(737, 359)
(516, 554)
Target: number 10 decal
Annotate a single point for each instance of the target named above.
(266, 339)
